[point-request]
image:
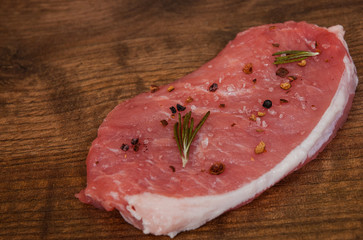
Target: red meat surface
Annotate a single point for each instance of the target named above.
(150, 187)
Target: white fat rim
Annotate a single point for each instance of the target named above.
(166, 215)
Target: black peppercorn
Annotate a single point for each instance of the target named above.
(134, 141)
(267, 104)
(136, 147)
(213, 87)
(180, 107)
(172, 109)
(124, 147)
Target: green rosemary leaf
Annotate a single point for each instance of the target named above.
(185, 128)
(180, 139)
(292, 56)
(191, 128)
(200, 124)
(281, 61)
(176, 127)
(184, 134)
(180, 126)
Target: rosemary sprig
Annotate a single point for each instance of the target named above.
(184, 134)
(292, 56)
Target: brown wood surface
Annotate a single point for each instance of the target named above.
(65, 64)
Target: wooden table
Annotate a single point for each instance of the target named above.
(65, 64)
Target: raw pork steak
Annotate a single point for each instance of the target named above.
(148, 184)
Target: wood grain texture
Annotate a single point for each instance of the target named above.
(65, 64)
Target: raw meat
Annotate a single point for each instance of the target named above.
(150, 187)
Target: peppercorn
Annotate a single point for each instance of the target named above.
(285, 85)
(267, 104)
(189, 100)
(172, 109)
(292, 78)
(282, 72)
(134, 141)
(124, 147)
(180, 107)
(213, 87)
(171, 88)
(302, 63)
(253, 117)
(136, 147)
(260, 148)
(217, 168)
(247, 68)
(164, 122)
(154, 88)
